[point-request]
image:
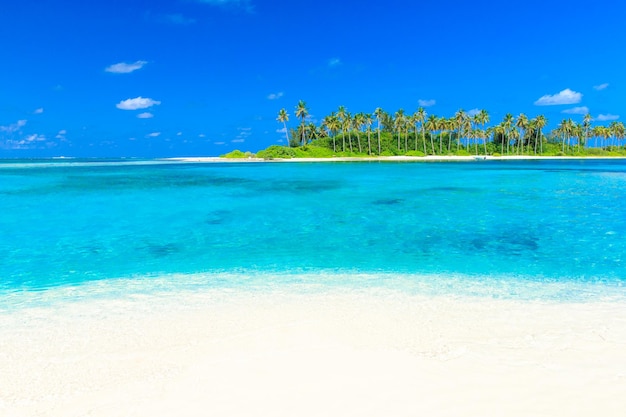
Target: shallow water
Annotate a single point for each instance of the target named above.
(498, 228)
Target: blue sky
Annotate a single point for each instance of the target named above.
(202, 77)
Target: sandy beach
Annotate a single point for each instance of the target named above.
(336, 353)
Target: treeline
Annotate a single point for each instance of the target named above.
(401, 133)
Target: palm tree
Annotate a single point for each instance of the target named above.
(565, 130)
(378, 112)
(368, 120)
(413, 121)
(501, 131)
(431, 125)
(348, 125)
(522, 124)
(483, 119)
(341, 115)
(332, 124)
(460, 118)
(586, 126)
(302, 112)
(617, 131)
(442, 125)
(540, 123)
(283, 117)
(450, 126)
(603, 132)
(508, 125)
(310, 127)
(359, 121)
(420, 117)
(399, 124)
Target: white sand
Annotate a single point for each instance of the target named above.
(335, 354)
(428, 158)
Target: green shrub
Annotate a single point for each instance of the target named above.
(237, 154)
(310, 151)
(276, 152)
(415, 153)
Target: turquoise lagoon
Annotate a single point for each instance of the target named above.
(547, 229)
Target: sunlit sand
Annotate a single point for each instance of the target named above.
(337, 353)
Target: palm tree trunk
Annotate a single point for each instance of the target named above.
(286, 133)
(440, 142)
(378, 137)
(406, 141)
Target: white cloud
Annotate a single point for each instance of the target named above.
(201, 135)
(238, 140)
(219, 143)
(426, 103)
(125, 68)
(283, 131)
(334, 62)
(606, 117)
(153, 135)
(61, 134)
(566, 96)
(13, 127)
(577, 110)
(136, 103)
(179, 134)
(145, 115)
(601, 86)
(473, 112)
(38, 111)
(275, 96)
(35, 138)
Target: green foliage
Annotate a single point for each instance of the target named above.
(237, 154)
(343, 134)
(277, 152)
(311, 151)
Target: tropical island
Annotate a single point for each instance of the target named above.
(464, 134)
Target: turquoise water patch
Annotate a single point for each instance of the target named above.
(536, 221)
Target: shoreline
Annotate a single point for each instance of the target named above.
(367, 353)
(429, 158)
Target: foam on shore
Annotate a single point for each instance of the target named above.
(338, 352)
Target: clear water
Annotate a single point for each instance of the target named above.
(497, 228)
